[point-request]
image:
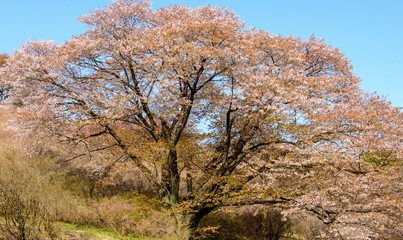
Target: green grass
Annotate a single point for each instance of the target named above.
(91, 232)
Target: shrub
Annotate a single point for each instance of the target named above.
(221, 225)
(118, 215)
(24, 210)
(264, 224)
(243, 224)
(134, 214)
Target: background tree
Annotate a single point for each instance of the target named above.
(149, 87)
(3, 58)
(4, 88)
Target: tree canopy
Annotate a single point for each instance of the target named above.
(203, 107)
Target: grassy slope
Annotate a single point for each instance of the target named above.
(87, 232)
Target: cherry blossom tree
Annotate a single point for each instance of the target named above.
(203, 107)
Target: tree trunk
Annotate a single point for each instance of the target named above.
(170, 178)
(175, 179)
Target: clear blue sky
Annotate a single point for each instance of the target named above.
(369, 32)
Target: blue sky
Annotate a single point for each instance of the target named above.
(369, 32)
